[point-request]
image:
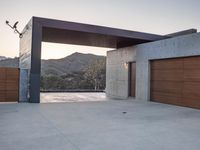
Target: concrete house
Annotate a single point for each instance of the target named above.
(145, 66)
(166, 71)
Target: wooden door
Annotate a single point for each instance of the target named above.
(132, 78)
(9, 84)
(176, 81)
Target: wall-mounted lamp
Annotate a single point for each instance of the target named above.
(14, 27)
(126, 65)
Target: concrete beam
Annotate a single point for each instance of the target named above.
(180, 33)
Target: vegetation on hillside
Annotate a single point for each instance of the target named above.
(76, 71)
(93, 77)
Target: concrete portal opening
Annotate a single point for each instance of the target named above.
(49, 30)
(73, 74)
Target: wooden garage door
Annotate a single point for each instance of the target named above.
(176, 81)
(9, 83)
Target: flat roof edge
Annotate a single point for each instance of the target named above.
(184, 32)
(68, 25)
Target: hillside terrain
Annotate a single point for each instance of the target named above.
(2, 58)
(76, 71)
(73, 63)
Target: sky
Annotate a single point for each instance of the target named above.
(151, 16)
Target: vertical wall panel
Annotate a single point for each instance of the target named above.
(9, 84)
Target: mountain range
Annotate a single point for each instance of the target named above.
(73, 63)
(2, 58)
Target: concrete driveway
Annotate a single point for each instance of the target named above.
(105, 125)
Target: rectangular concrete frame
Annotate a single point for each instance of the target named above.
(48, 30)
(117, 72)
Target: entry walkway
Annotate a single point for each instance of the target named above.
(104, 125)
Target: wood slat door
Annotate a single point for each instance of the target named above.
(176, 81)
(191, 86)
(2, 85)
(9, 84)
(132, 78)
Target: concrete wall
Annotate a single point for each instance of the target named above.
(34, 89)
(23, 86)
(25, 47)
(25, 60)
(30, 55)
(117, 72)
(182, 46)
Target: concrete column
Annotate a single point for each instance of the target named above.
(25, 62)
(23, 86)
(142, 80)
(30, 59)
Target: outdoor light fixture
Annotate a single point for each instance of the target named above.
(126, 65)
(14, 27)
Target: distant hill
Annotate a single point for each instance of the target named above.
(73, 63)
(9, 62)
(2, 58)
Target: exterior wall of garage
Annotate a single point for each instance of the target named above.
(117, 72)
(117, 75)
(182, 46)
